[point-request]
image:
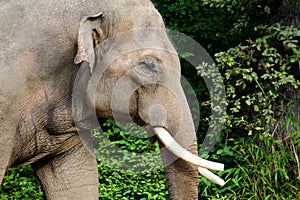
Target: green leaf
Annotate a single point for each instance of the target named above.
(287, 122)
(186, 55)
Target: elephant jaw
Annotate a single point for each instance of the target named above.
(203, 165)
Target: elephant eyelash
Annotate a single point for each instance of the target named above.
(149, 66)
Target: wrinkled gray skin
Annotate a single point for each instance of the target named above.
(38, 42)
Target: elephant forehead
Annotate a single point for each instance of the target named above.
(135, 40)
(138, 14)
(123, 62)
(147, 17)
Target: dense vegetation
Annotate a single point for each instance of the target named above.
(260, 142)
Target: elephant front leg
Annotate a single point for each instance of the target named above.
(6, 152)
(6, 149)
(71, 175)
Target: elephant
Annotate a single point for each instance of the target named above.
(46, 46)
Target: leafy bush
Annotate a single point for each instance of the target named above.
(263, 165)
(256, 172)
(215, 24)
(20, 183)
(255, 75)
(130, 166)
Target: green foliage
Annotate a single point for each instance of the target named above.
(130, 166)
(115, 184)
(255, 172)
(255, 75)
(269, 170)
(259, 165)
(127, 149)
(217, 24)
(20, 183)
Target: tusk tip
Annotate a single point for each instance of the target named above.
(210, 176)
(222, 167)
(169, 142)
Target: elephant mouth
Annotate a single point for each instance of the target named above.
(139, 121)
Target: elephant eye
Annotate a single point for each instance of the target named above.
(147, 71)
(149, 66)
(149, 63)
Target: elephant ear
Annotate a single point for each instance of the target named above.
(89, 36)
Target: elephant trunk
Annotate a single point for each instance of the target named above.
(182, 176)
(173, 114)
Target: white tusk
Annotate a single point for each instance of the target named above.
(169, 142)
(210, 176)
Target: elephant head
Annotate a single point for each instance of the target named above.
(132, 73)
